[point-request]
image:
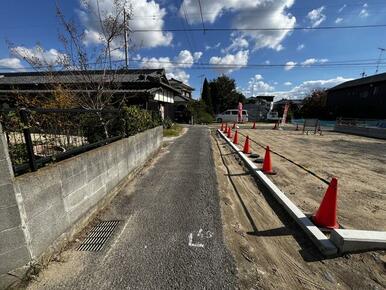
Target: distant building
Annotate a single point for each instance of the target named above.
(360, 98)
(258, 107)
(295, 105)
(147, 88)
(181, 113)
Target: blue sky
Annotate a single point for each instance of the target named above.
(305, 59)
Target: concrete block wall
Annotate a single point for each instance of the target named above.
(13, 246)
(39, 207)
(379, 133)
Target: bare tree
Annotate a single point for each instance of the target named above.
(91, 78)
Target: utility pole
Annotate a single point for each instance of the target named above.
(381, 51)
(125, 36)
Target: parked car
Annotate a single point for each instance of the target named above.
(231, 116)
(273, 116)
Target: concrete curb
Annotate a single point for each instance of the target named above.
(358, 240)
(325, 246)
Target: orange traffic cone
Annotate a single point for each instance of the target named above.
(234, 126)
(229, 132)
(222, 127)
(267, 165)
(326, 215)
(254, 125)
(225, 128)
(236, 138)
(247, 147)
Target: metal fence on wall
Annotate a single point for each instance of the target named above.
(363, 123)
(39, 136)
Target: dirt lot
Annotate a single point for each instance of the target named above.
(359, 163)
(270, 250)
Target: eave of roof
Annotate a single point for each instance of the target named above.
(135, 75)
(117, 91)
(186, 99)
(360, 82)
(180, 83)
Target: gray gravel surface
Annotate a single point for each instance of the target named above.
(174, 200)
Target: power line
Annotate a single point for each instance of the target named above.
(381, 51)
(192, 44)
(202, 18)
(291, 9)
(190, 65)
(219, 29)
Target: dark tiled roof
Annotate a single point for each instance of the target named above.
(360, 82)
(136, 77)
(284, 101)
(150, 91)
(68, 77)
(178, 84)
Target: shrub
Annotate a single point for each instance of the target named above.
(167, 123)
(138, 120)
(204, 118)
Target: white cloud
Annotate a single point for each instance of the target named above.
(288, 84)
(217, 45)
(341, 8)
(302, 90)
(179, 74)
(38, 56)
(137, 57)
(289, 65)
(261, 87)
(230, 62)
(10, 63)
(258, 77)
(237, 43)
(316, 16)
(248, 14)
(300, 47)
(311, 61)
(173, 67)
(338, 20)
(186, 59)
(141, 9)
(364, 12)
(197, 55)
(256, 86)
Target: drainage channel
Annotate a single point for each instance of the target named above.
(98, 236)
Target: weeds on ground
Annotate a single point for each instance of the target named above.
(174, 131)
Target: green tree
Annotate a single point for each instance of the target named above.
(199, 113)
(314, 105)
(206, 97)
(224, 94)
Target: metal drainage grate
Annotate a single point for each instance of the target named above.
(98, 236)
